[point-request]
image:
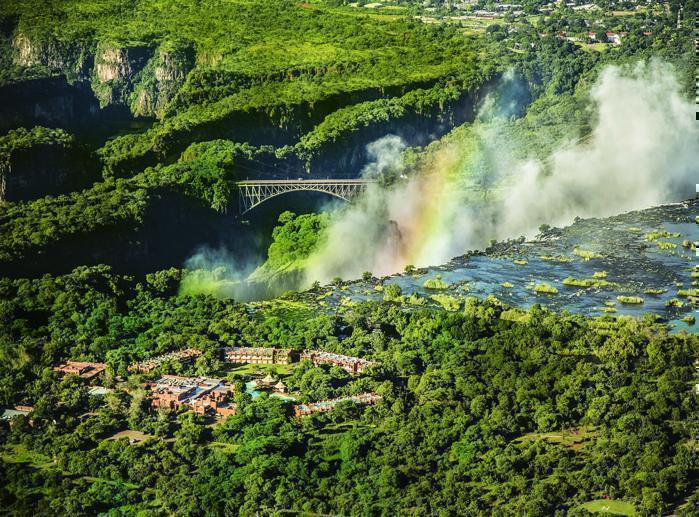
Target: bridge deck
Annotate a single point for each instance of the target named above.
(306, 182)
(254, 192)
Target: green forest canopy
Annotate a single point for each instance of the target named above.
(486, 410)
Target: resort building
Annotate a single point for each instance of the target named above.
(186, 356)
(280, 387)
(9, 414)
(204, 395)
(81, 369)
(328, 405)
(98, 391)
(257, 355)
(266, 382)
(352, 365)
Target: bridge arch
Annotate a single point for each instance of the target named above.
(253, 193)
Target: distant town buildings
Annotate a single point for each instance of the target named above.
(80, 368)
(258, 355)
(585, 7)
(204, 395)
(353, 365)
(186, 356)
(328, 405)
(613, 37)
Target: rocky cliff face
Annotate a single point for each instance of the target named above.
(116, 73)
(135, 81)
(115, 64)
(74, 61)
(163, 77)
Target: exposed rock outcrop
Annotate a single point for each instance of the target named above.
(131, 77)
(73, 60)
(162, 78)
(116, 72)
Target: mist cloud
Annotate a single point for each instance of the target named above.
(385, 155)
(643, 151)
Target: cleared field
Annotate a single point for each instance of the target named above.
(224, 447)
(573, 438)
(133, 436)
(610, 506)
(20, 454)
(594, 47)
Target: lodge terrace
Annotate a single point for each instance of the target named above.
(259, 355)
(206, 396)
(186, 356)
(83, 369)
(352, 365)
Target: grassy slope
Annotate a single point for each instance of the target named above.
(247, 37)
(252, 57)
(610, 506)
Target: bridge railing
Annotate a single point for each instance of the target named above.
(307, 182)
(254, 192)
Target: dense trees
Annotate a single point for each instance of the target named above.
(293, 239)
(40, 223)
(535, 414)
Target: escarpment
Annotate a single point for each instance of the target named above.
(79, 82)
(162, 78)
(194, 102)
(116, 72)
(341, 123)
(162, 235)
(50, 101)
(338, 146)
(74, 60)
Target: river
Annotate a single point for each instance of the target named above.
(622, 256)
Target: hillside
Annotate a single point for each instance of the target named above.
(281, 89)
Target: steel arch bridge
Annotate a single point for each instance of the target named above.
(252, 193)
